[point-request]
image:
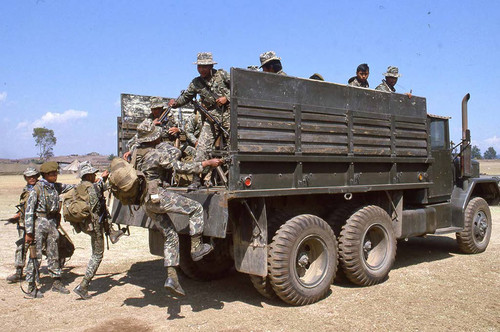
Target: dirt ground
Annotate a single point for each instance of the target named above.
(432, 287)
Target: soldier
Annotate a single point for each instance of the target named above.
(213, 88)
(158, 165)
(95, 225)
(361, 78)
(31, 176)
(391, 78)
(317, 77)
(193, 129)
(42, 219)
(270, 63)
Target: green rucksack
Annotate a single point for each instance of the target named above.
(126, 182)
(76, 203)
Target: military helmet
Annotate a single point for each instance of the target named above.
(31, 171)
(317, 77)
(86, 168)
(49, 166)
(392, 72)
(157, 102)
(267, 57)
(147, 131)
(205, 58)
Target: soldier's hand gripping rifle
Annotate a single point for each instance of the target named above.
(200, 108)
(164, 116)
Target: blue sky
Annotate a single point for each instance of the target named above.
(64, 64)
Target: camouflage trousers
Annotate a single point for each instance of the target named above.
(172, 202)
(20, 255)
(97, 243)
(209, 133)
(45, 231)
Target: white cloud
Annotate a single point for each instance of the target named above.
(3, 96)
(59, 118)
(23, 124)
(493, 141)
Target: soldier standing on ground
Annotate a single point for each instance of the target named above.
(270, 63)
(213, 87)
(361, 78)
(95, 225)
(31, 176)
(158, 165)
(42, 219)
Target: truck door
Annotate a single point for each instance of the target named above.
(441, 172)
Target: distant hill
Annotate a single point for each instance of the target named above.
(17, 166)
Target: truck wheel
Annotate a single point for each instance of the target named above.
(213, 266)
(477, 227)
(303, 260)
(367, 246)
(263, 286)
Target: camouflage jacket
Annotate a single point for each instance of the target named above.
(160, 162)
(23, 199)
(385, 87)
(218, 84)
(193, 128)
(132, 143)
(43, 200)
(353, 81)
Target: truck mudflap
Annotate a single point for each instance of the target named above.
(485, 187)
(215, 213)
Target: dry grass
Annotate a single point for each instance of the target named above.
(490, 167)
(432, 287)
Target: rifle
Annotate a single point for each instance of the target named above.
(14, 220)
(164, 116)
(210, 117)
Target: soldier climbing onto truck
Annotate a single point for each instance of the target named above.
(158, 164)
(213, 87)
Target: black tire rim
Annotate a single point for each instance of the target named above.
(311, 261)
(480, 226)
(375, 246)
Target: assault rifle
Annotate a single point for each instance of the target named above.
(164, 116)
(210, 117)
(14, 220)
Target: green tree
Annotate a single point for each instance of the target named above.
(45, 141)
(111, 157)
(490, 153)
(476, 152)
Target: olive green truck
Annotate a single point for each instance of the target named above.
(323, 179)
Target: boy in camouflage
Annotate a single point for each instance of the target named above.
(213, 88)
(361, 78)
(42, 219)
(31, 176)
(94, 226)
(158, 164)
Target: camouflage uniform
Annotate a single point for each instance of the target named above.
(268, 57)
(42, 218)
(193, 128)
(218, 84)
(385, 87)
(158, 165)
(353, 81)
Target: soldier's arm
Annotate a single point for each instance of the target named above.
(189, 127)
(29, 216)
(186, 96)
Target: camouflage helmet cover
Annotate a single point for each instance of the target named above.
(392, 72)
(49, 166)
(31, 171)
(147, 131)
(157, 102)
(205, 58)
(86, 168)
(268, 56)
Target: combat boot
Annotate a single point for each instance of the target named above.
(33, 292)
(58, 287)
(198, 248)
(196, 184)
(15, 277)
(172, 283)
(114, 236)
(82, 290)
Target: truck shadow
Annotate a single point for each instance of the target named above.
(424, 249)
(150, 276)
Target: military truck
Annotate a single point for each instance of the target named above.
(325, 177)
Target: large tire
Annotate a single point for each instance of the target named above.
(303, 260)
(477, 227)
(263, 284)
(213, 266)
(339, 216)
(367, 246)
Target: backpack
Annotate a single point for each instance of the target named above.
(76, 205)
(125, 182)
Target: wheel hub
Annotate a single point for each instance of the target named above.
(480, 226)
(311, 261)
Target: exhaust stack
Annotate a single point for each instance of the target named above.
(465, 160)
